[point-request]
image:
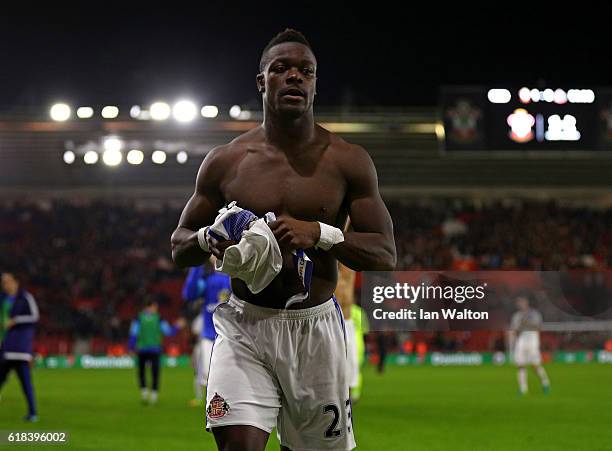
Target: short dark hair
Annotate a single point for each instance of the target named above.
(289, 35)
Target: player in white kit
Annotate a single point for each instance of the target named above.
(525, 343)
(277, 362)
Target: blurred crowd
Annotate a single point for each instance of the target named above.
(84, 261)
(469, 235)
(92, 265)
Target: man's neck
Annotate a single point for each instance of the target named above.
(289, 134)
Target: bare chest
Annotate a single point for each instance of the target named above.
(308, 188)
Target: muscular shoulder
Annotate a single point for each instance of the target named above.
(220, 160)
(343, 149)
(346, 154)
(352, 160)
(222, 156)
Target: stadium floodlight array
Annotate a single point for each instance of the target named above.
(135, 156)
(110, 112)
(209, 111)
(160, 111)
(182, 157)
(235, 111)
(113, 156)
(90, 157)
(113, 144)
(244, 115)
(182, 111)
(158, 157)
(69, 157)
(60, 112)
(135, 112)
(111, 150)
(85, 112)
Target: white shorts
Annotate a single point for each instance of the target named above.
(527, 354)
(352, 361)
(202, 359)
(283, 368)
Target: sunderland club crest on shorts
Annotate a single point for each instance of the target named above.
(217, 407)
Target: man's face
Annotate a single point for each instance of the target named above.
(522, 304)
(288, 81)
(9, 284)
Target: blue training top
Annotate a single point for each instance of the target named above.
(19, 339)
(214, 288)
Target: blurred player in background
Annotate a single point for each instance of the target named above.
(19, 317)
(146, 339)
(356, 328)
(196, 355)
(524, 337)
(213, 288)
(359, 319)
(382, 347)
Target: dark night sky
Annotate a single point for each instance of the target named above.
(106, 54)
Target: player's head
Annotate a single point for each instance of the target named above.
(522, 303)
(151, 306)
(287, 75)
(10, 283)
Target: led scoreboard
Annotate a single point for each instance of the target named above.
(526, 118)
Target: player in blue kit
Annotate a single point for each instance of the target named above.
(19, 317)
(213, 288)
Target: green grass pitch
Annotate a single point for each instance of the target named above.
(407, 408)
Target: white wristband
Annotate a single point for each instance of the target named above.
(329, 237)
(202, 239)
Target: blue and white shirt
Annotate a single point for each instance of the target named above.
(19, 339)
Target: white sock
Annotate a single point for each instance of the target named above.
(543, 376)
(522, 380)
(144, 393)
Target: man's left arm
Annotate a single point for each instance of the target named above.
(370, 246)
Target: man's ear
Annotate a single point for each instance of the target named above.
(261, 82)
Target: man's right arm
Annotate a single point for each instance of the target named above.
(200, 211)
